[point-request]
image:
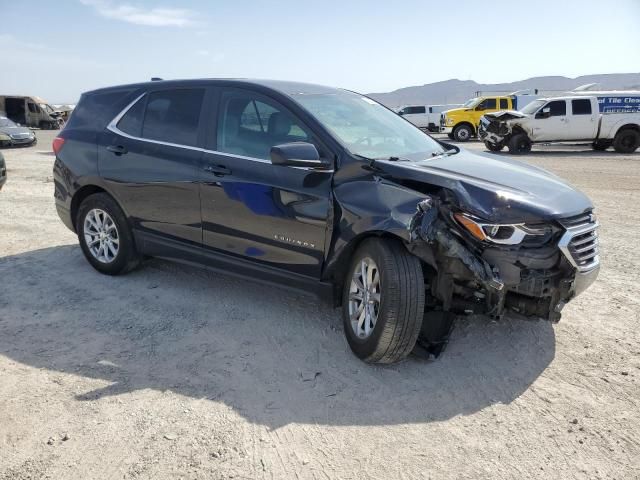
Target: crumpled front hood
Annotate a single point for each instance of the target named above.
(505, 115)
(494, 188)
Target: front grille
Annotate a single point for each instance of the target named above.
(580, 241)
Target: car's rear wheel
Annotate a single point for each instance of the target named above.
(105, 236)
(519, 144)
(383, 301)
(462, 133)
(626, 140)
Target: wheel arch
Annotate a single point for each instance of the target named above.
(468, 124)
(343, 260)
(626, 126)
(85, 191)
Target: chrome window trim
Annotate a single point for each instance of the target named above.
(113, 127)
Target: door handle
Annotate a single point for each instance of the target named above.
(117, 149)
(217, 170)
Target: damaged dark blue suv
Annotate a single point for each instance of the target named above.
(326, 190)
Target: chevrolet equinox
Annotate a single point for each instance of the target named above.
(321, 189)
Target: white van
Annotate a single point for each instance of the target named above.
(426, 117)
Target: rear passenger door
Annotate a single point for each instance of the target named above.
(270, 214)
(149, 158)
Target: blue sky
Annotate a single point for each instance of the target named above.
(59, 49)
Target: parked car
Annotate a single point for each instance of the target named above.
(3, 171)
(325, 190)
(426, 117)
(605, 120)
(12, 134)
(462, 123)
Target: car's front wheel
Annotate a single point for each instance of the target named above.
(519, 144)
(383, 301)
(494, 147)
(105, 236)
(462, 133)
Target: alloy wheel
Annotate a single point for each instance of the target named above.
(101, 235)
(364, 298)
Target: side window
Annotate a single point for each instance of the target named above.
(504, 104)
(33, 108)
(172, 116)
(558, 108)
(581, 107)
(250, 124)
(487, 104)
(419, 110)
(131, 122)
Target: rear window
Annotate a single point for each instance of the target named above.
(94, 111)
(172, 116)
(581, 107)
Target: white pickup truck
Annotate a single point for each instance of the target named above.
(426, 117)
(603, 118)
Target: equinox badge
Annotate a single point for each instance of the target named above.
(293, 241)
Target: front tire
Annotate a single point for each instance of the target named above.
(462, 133)
(519, 144)
(493, 146)
(626, 140)
(104, 235)
(383, 301)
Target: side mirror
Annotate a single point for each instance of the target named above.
(297, 154)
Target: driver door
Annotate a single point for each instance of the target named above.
(550, 122)
(272, 214)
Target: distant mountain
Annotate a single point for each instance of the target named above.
(458, 91)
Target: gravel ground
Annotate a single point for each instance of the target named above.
(178, 372)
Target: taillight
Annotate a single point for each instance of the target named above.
(58, 142)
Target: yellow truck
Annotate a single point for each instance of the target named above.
(462, 123)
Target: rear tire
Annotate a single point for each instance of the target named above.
(119, 254)
(462, 133)
(389, 334)
(494, 147)
(626, 140)
(519, 144)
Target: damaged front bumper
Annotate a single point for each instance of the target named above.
(493, 279)
(492, 131)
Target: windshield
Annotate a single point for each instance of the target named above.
(368, 129)
(5, 122)
(530, 108)
(46, 108)
(471, 103)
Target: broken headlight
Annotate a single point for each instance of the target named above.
(504, 234)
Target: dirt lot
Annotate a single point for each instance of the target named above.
(177, 372)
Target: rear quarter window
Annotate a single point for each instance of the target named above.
(95, 110)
